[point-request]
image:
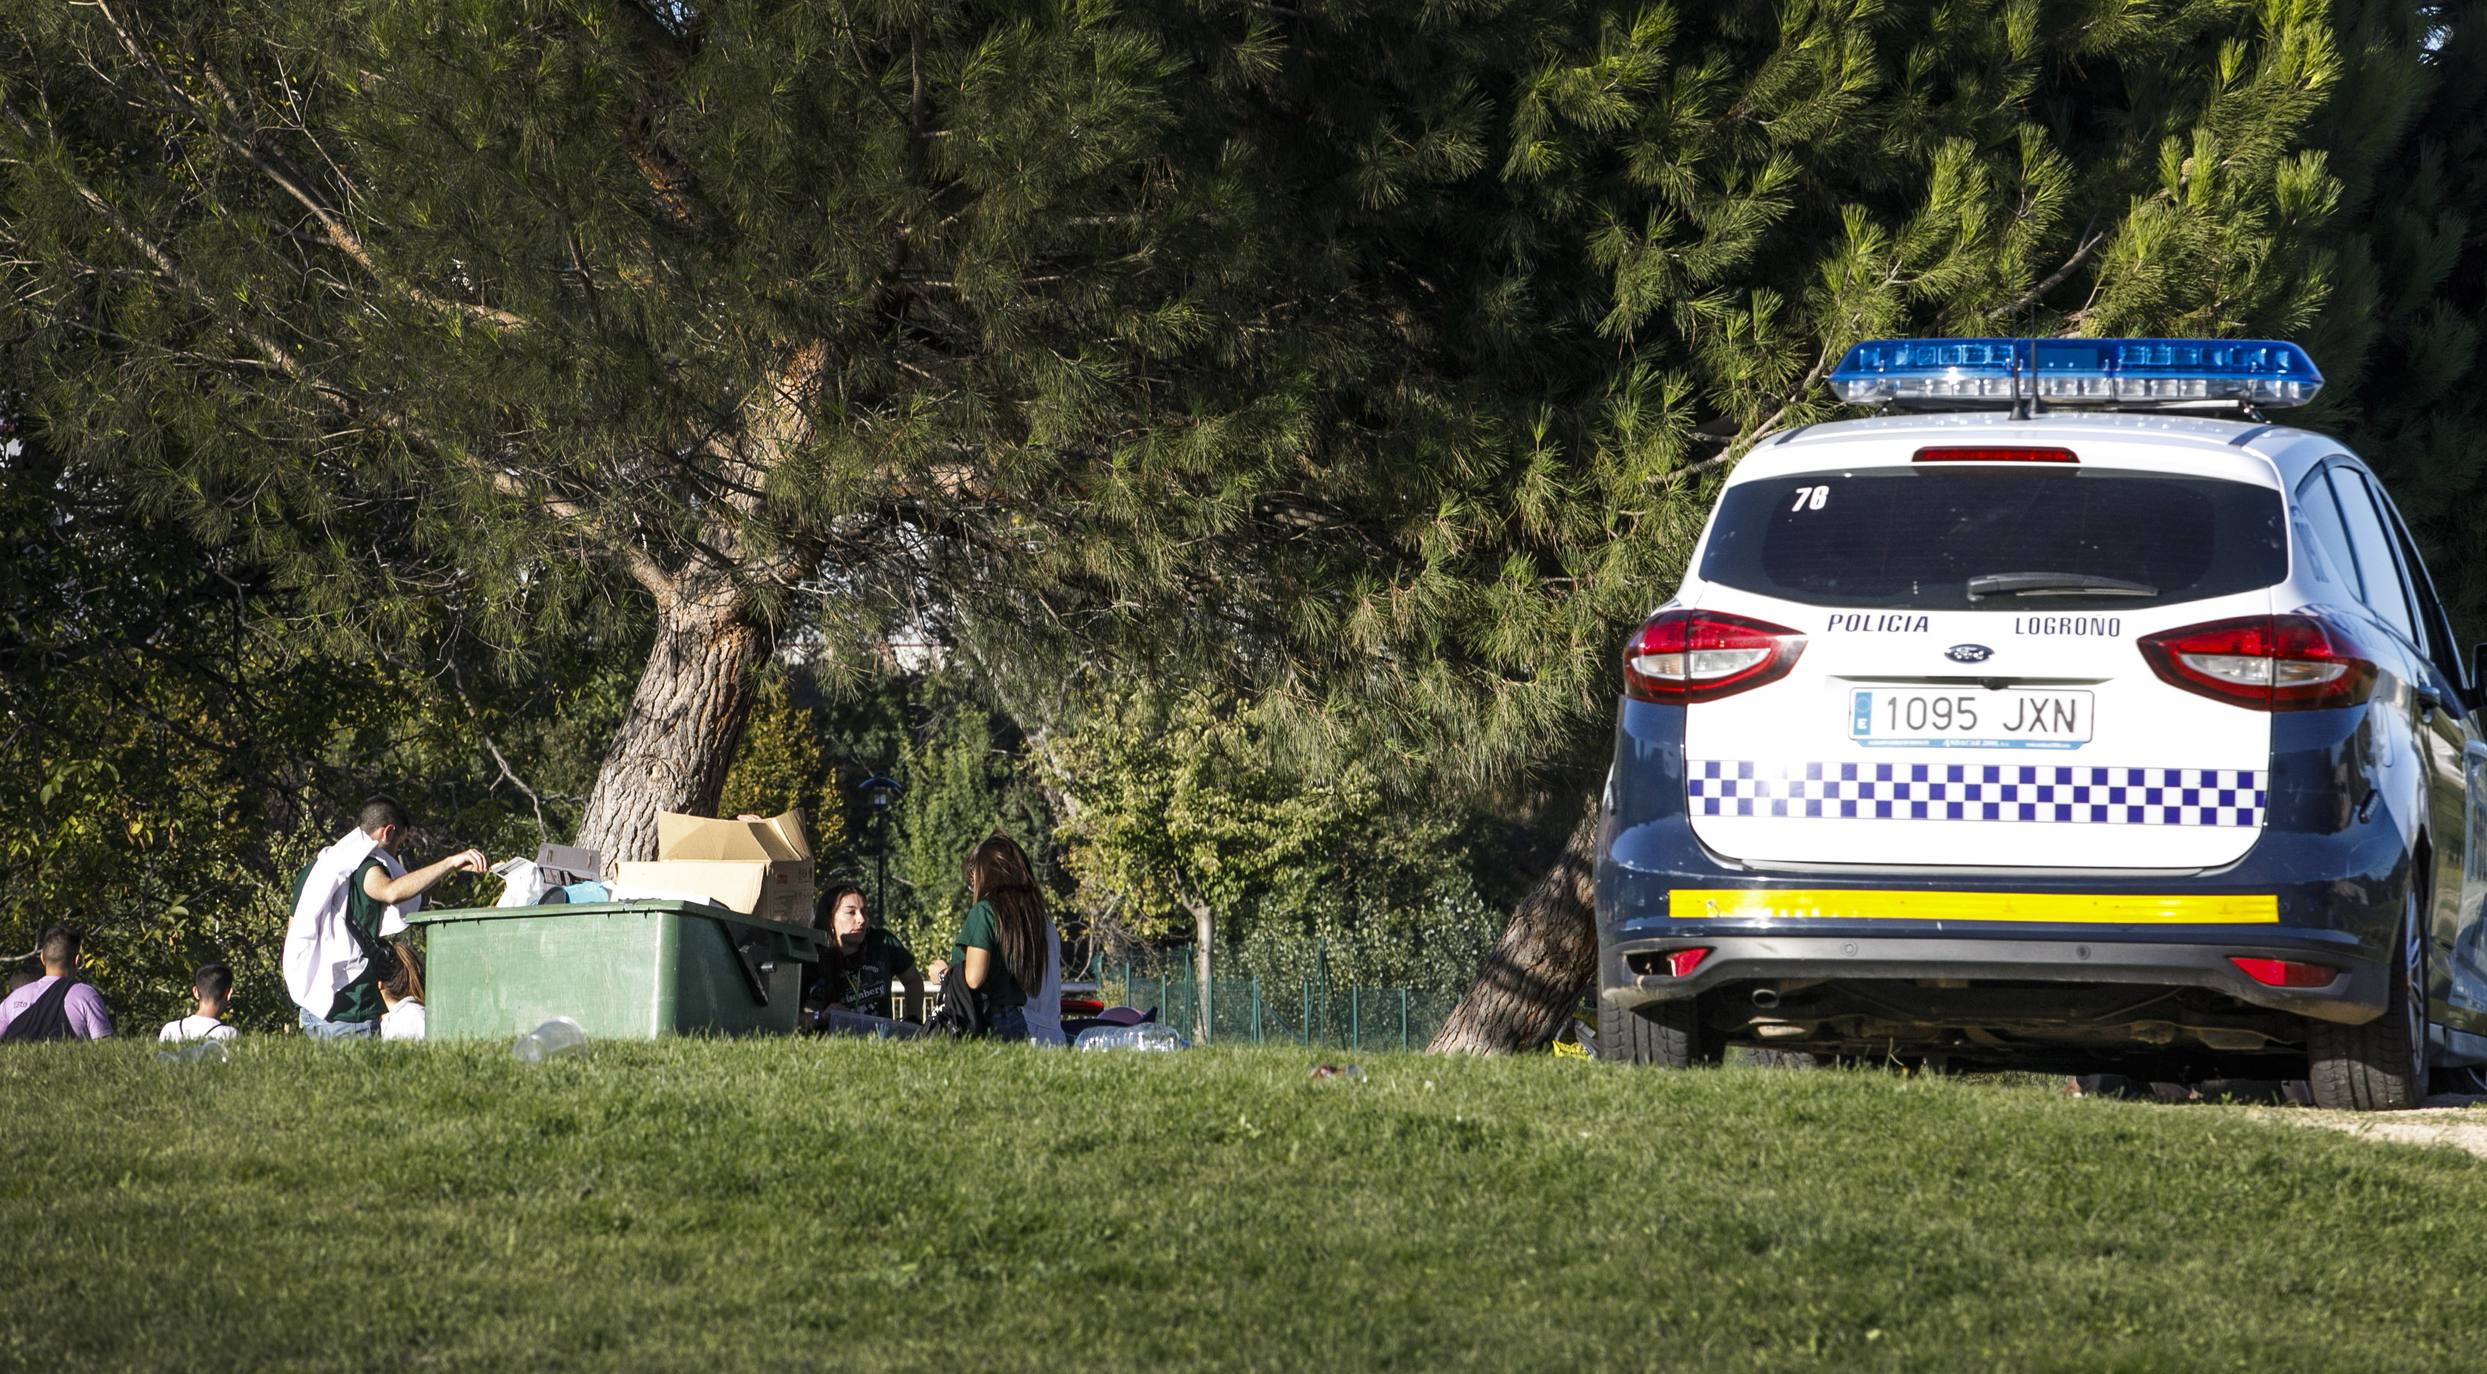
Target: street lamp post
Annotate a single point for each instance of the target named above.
(880, 791)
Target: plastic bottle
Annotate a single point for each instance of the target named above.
(1148, 1035)
(197, 1052)
(554, 1038)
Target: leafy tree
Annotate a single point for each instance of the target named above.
(965, 778)
(185, 754)
(1180, 824)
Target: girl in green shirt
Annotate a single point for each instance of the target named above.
(1001, 950)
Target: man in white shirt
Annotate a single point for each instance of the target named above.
(213, 987)
(355, 894)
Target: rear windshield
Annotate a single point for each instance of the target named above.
(1915, 537)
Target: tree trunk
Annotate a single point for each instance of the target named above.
(1547, 958)
(675, 741)
(1204, 937)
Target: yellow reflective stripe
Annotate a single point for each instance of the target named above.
(2069, 908)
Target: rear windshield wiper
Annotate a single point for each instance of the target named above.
(2054, 584)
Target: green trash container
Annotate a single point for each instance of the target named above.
(622, 970)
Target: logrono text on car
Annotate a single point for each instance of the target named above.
(2067, 715)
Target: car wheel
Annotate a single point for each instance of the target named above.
(1666, 1035)
(2380, 1066)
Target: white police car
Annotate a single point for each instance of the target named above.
(2040, 723)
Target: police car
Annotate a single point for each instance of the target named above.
(2065, 715)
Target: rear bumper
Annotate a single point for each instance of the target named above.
(2323, 883)
(2183, 958)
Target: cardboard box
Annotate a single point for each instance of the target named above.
(759, 868)
(775, 840)
(768, 891)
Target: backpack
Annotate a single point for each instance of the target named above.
(46, 1019)
(963, 1012)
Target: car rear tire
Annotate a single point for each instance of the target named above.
(2380, 1066)
(1666, 1035)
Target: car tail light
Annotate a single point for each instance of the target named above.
(2284, 973)
(1989, 453)
(1687, 656)
(2265, 662)
(1675, 963)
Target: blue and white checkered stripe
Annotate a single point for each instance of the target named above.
(1977, 792)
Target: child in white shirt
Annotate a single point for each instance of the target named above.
(212, 985)
(401, 997)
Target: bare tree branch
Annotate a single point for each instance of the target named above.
(2054, 279)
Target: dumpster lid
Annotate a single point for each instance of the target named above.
(707, 911)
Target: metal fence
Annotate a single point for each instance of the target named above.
(1307, 1011)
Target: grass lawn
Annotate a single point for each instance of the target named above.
(709, 1206)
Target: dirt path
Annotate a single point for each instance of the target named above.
(2449, 1119)
(2460, 1122)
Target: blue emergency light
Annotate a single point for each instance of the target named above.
(2076, 372)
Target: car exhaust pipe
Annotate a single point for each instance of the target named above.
(1765, 999)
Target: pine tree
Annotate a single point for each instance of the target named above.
(971, 314)
(2401, 351)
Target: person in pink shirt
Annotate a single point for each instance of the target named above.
(58, 1005)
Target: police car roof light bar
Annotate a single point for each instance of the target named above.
(1961, 374)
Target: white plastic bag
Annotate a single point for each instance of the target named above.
(523, 884)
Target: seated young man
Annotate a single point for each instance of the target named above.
(58, 1005)
(212, 987)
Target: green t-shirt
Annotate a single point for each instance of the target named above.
(360, 999)
(861, 981)
(983, 931)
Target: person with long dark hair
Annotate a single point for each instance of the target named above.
(401, 995)
(1005, 949)
(861, 964)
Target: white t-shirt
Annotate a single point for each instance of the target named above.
(1044, 1011)
(402, 1022)
(195, 1028)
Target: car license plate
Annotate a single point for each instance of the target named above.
(1950, 718)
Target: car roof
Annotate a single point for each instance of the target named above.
(2276, 453)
